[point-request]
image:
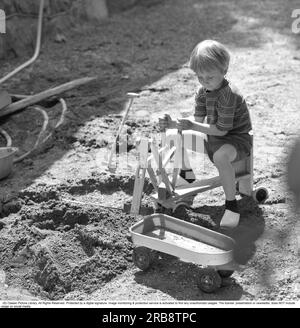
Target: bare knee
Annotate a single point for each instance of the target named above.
(221, 159)
(224, 155)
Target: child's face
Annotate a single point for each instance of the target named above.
(212, 79)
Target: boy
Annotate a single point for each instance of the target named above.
(228, 125)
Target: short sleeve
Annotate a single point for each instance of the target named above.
(226, 108)
(200, 104)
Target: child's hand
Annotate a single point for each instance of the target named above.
(184, 124)
(165, 122)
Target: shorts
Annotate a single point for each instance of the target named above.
(243, 144)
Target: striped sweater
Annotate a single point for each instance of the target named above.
(225, 107)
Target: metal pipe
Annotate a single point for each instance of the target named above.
(37, 48)
(7, 137)
(41, 134)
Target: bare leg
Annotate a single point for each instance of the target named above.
(222, 159)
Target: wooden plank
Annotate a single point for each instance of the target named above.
(155, 153)
(143, 152)
(203, 185)
(182, 194)
(210, 181)
(168, 203)
(151, 157)
(240, 167)
(200, 183)
(5, 99)
(178, 158)
(31, 100)
(162, 188)
(163, 146)
(167, 182)
(162, 191)
(245, 186)
(162, 172)
(155, 156)
(198, 187)
(127, 106)
(137, 190)
(152, 178)
(168, 156)
(174, 177)
(139, 177)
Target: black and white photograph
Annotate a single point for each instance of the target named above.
(149, 155)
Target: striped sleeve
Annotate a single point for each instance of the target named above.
(200, 104)
(226, 107)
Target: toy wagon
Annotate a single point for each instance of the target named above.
(187, 241)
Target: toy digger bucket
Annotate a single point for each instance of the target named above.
(6, 160)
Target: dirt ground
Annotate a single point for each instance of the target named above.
(63, 232)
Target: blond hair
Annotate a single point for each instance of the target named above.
(208, 55)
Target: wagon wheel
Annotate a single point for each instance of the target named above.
(260, 194)
(159, 208)
(225, 273)
(143, 257)
(181, 205)
(209, 280)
